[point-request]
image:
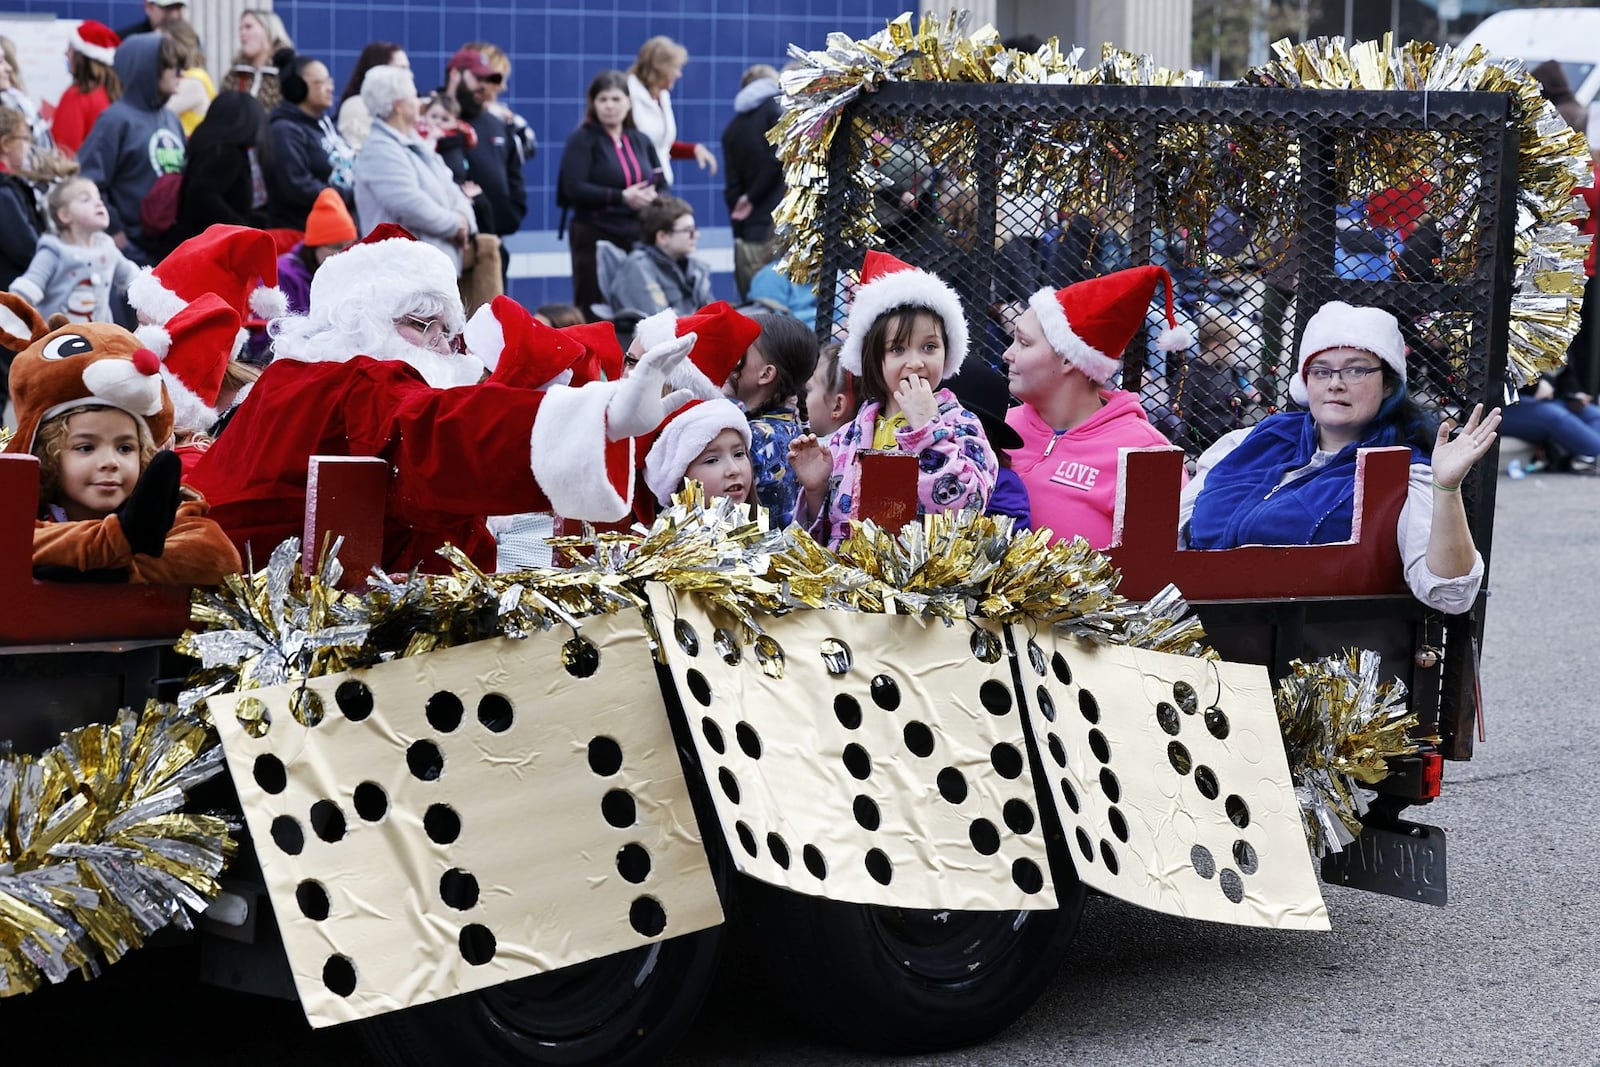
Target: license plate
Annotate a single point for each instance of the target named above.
(1400, 859)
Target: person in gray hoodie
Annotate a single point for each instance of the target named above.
(136, 140)
(754, 182)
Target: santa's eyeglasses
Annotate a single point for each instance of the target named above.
(433, 333)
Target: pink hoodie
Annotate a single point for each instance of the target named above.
(1072, 476)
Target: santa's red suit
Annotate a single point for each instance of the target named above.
(456, 453)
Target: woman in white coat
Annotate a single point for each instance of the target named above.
(650, 81)
(401, 180)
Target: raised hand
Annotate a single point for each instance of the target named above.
(1453, 457)
(917, 400)
(639, 406)
(811, 461)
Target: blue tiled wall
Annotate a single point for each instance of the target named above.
(556, 50)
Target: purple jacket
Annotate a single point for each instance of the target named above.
(958, 468)
(294, 278)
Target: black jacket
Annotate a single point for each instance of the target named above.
(21, 223)
(216, 188)
(591, 180)
(300, 165)
(753, 169)
(496, 165)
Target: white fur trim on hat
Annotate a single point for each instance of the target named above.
(189, 412)
(147, 294)
(681, 440)
(155, 338)
(568, 454)
(269, 302)
(1067, 344)
(906, 288)
(97, 52)
(657, 329)
(1340, 325)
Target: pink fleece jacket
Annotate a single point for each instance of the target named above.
(1072, 476)
(958, 468)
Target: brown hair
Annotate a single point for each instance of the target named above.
(187, 39)
(8, 48)
(756, 73)
(51, 437)
(608, 79)
(790, 347)
(661, 215)
(891, 328)
(91, 74)
(655, 54)
(560, 315)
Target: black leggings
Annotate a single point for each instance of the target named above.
(584, 234)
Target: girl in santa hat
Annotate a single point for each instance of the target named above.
(707, 440)
(906, 334)
(1290, 480)
(90, 52)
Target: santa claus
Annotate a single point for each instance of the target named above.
(373, 369)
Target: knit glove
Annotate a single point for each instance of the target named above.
(638, 405)
(148, 513)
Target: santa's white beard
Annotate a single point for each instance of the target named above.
(332, 346)
(439, 371)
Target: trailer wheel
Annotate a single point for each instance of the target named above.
(629, 1008)
(899, 980)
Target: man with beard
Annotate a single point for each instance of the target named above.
(494, 162)
(373, 370)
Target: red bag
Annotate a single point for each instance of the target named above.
(158, 211)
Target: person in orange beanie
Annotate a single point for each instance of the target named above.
(329, 229)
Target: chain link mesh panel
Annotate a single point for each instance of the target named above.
(1262, 204)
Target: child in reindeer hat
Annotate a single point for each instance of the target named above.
(91, 406)
(906, 334)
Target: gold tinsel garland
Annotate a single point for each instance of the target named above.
(95, 854)
(285, 624)
(1340, 726)
(1083, 158)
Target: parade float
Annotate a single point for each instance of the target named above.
(515, 817)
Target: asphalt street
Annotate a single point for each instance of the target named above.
(1505, 975)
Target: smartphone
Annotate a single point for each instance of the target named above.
(656, 175)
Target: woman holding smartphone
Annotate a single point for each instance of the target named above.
(609, 170)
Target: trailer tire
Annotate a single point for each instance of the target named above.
(896, 980)
(626, 1009)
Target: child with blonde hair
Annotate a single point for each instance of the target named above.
(74, 269)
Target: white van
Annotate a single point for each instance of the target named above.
(1568, 35)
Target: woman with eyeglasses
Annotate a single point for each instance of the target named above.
(1290, 480)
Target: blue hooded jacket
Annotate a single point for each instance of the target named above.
(134, 141)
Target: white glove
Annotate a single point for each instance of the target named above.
(639, 406)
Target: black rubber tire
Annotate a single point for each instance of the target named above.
(901, 981)
(631, 1008)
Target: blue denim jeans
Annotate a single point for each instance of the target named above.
(1542, 421)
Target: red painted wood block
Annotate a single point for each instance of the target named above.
(345, 497)
(34, 612)
(1145, 539)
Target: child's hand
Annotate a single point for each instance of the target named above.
(148, 513)
(916, 400)
(811, 461)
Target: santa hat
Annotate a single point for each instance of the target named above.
(237, 263)
(194, 346)
(603, 357)
(329, 222)
(723, 336)
(1090, 323)
(96, 40)
(680, 440)
(385, 269)
(888, 283)
(518, 348)
(1340, 325)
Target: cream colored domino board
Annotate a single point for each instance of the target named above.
(1169, 776)
(902, 781)
(470, 816)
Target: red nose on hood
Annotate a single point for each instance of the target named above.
(146, 362)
